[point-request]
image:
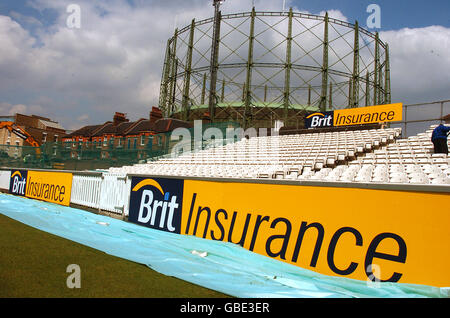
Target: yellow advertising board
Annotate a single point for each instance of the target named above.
(364, 234)
(368, 115)
(53, 187)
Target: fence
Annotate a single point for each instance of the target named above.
(86, 190)
(96, 190)
(111, 192)
(102, 191)
(90, 155)
(115, 189)
(419, 117)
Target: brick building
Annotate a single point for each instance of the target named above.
(23, 130)
(41, 128)
(120, 136)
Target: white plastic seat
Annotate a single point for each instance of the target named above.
(304, 176)
(380, 178)
(348, 177)
(317, 176)
(441, 180)
(436, 175)
(447, 171)
(419, 179)
(396, 168)
(332, 177)
(399, 177)
(412, 168)
(363, 178)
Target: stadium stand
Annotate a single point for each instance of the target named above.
(372, 155)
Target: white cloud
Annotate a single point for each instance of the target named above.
(114, 62)
(10, 109)
(420, 63)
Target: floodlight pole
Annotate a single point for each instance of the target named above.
(214, 59)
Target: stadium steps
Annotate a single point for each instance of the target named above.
(375, 155)
(409, 160)
(294, 157)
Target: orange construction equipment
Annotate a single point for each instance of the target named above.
(18, 131)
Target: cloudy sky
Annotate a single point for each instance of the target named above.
(113, 61)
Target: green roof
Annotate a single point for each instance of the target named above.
(261, 104)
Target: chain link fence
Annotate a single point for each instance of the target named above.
(92, 156)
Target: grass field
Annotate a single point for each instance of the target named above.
(33, 264)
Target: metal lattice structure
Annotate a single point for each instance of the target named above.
(258, 67)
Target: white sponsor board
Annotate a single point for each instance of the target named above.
(5, 176)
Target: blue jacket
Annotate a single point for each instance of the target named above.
(440, 132)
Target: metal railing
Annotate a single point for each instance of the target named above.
(417, 118)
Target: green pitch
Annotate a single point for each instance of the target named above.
(34, 264)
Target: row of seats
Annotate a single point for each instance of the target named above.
(317, 150)
(203, 170)
(409, 160)
(270, 155)
(384, 173)
(376, 155)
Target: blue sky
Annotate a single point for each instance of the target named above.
(47, 17)
(114, 61)
(396, 14)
